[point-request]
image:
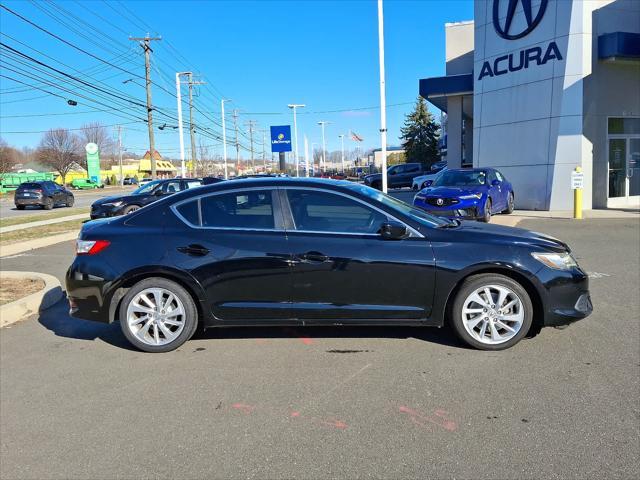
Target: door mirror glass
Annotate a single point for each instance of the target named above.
(393, 231)
(158, 192)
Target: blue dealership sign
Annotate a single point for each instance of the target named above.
(281, 138)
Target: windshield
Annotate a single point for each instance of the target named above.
(457, 178)
(146, 188)
(414, 213)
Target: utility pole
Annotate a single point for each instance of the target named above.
(322, 123)
(183, 172)
(251, 124)
(192, 125)
(294, 106)
(383, 99)
(120, 154)
(145, 44)
(224, 140)
(264, 150)
(342, 150)
(235, 126)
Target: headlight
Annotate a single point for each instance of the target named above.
(472, 196)
(112, 204)
(558, 261)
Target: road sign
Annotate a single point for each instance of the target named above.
(577, 180)
(93, 161)
(281, 138)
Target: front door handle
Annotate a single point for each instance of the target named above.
(194, 250)
(313, 257)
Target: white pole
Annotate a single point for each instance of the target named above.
(224, 141)
(120, 154)
(383, 101)
(293, 106)
(342, 151)
(182, 165)
(306, 154)
(324, 147)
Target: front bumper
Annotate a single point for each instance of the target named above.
(463, 209)
(101, 211)
(567, 296)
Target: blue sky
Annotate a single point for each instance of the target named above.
(261, 54)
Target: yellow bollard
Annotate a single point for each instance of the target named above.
(577, 194)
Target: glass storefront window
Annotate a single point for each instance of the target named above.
(624, 126)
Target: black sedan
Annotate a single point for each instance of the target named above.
(44, 194)
(149, 193)
(317, 252)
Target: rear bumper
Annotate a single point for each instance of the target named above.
(28, 201)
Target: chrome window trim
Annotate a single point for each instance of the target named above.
(413, 231)
(198, 198)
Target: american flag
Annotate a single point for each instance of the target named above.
(355, 137)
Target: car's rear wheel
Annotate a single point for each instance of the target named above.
(158, 315)
(130, 209)
(491, 312)
(486, 214)
(70, 201)
(48, 204)
(510, 204)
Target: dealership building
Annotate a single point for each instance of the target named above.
(536, 88)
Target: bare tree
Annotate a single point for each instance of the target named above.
(97, 133)
(8, 157)
(59, 149)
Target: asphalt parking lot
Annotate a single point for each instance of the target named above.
(78, 402)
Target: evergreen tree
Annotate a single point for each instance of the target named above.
(420, 135)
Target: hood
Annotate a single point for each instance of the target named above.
(116, 198)
(510, 235)
(449, 192)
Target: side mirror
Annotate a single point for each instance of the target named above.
(158, 192)
(393, 231)
(495, 183)
(428, 183)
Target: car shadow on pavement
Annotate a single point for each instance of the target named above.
(57, 320)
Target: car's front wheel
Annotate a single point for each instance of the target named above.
(510, 204)
(70, 201)
(20, 207)
(491, 312)
(486, 214)
(158, 315)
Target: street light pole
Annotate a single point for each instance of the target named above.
(342, 151)
(181, 135)
(293, 106)
(383, 102)
(224, 140)
(322, 123)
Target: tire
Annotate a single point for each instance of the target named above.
(129, 209)
(486, 216)
(70, 201)
(510, 204)
(152, 339)
(20, 207)
(48, 204)
(518, 317)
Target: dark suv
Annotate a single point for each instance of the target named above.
(398, 176)
(148, 193)
(42, 194)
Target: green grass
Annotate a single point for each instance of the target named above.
(39, 232)
(35, 217)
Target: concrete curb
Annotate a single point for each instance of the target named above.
(14, 249)
(34, 303)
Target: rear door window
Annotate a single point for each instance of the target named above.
(250, 209)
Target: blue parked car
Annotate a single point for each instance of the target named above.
(475, 193)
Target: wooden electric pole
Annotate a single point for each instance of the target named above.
(145, 44)
(192, 125)
(251, 124)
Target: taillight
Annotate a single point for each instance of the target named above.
(90, 247)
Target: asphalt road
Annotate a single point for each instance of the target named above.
(83, 198)
(77, 402)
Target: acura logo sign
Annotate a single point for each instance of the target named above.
(440, 202)
(506, 29)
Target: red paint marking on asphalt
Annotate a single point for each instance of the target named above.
(306, 340)
(247, 409)
(334, 423)
(295, 414)
(439, 418)
(261, 341)
(292, 332)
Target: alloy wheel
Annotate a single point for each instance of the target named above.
(493, 314)
(155, 316)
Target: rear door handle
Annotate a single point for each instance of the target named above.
(313, 257)
(194, 250)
